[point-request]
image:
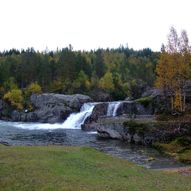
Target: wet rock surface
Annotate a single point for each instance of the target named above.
(99, 110)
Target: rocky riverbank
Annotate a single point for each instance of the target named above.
(142, 130)
(55, 108)
(47, 108)
(130, 121)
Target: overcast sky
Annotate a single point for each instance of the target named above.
(90, 24)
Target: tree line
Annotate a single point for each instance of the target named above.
(120, 72)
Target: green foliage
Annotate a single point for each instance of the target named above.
(180, 148)
(15, 98)
(33, 88)
(82, 82)
(7, 111)
(98, 63)
(135, 127)
(56, 87)
(126, 88)
(94, 81)
(106, 82)
(185, 156)
(2, 91)
(121, 72)
(10, 84)
(145, 101)
(118, 92)
(183, 141)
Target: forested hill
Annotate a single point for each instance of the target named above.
(120, 72)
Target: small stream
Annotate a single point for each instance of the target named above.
(53, 134)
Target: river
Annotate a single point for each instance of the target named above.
(32, 134)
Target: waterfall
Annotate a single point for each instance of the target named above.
(74, 121)
(112, 108)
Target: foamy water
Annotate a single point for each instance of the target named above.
(74, 121)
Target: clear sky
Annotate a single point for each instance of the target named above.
(90, 24)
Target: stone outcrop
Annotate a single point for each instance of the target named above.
(50, 108)
(99, 110)
(130, 109)
(49, 100)
(151, 132)
(100, 95)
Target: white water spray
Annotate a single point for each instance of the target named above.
(74, 121)
(112, 109)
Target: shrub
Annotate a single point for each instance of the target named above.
(33, 88)
(56, 86)
(135, 127)
(15, 98)
(145, 101)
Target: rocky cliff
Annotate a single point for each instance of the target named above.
(48, 107)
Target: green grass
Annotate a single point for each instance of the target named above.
(57, 168)
(185, 156)
(180, 148)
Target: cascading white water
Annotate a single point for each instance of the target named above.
(112, 109)
(74, 121)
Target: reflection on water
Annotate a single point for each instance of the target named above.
(10, 133)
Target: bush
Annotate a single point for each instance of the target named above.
(135, 127)
(56, 86)
(15, 98)
(145, 101)
(33, 88)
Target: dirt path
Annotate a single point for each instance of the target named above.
(186, 171)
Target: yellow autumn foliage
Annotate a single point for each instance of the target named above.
(106, 82)
(33, 88)
(173, 70)
(15, 98)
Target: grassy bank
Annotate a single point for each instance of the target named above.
(179, 148)
(55, 168)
